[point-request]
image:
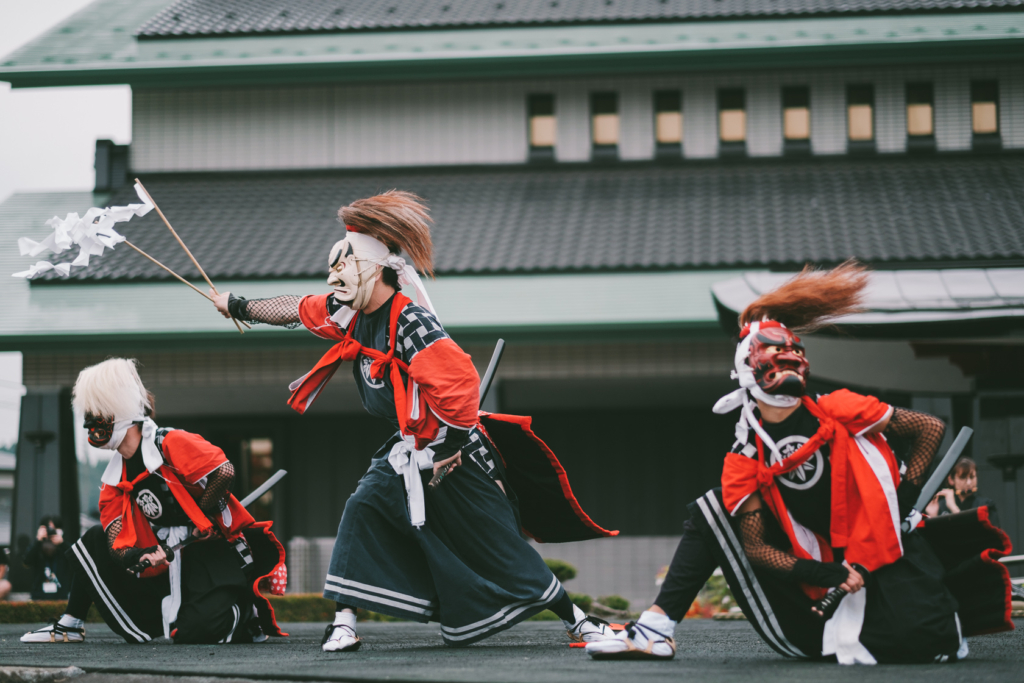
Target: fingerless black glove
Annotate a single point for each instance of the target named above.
(236, 306)
(131, 557)
(823, 574)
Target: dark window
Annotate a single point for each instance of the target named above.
(860, 118)
(920, 117)
(985, 116)
(604, 125)
(796, 120)
(732, 122)
(668, 124)
(542, 127)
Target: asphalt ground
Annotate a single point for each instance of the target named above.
(531, 652)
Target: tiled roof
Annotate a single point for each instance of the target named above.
(598, 218)
(234, 17)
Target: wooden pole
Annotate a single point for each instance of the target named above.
(173, 232)
(201, 292)
(198, 290)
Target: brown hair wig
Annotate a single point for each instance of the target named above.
(398, 219)
(812, 299)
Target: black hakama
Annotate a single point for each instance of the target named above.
(467, 567)
(217, 595)
(948, 585)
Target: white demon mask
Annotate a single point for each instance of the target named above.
(355, 264)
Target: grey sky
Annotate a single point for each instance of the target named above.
(47, 140)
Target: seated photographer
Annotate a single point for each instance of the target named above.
(51, 574)
(962, 493)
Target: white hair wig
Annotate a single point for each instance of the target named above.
(111, 389)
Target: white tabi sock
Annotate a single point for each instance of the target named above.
(70, 622)
(345, 618)
(577, 616)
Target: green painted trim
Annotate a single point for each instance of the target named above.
(98, 54)
(520, 67)
(66, 317)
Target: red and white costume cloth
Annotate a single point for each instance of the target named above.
(865, 519)
(436, 388)
(182, 461)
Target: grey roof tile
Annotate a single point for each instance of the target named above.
(576, 218)
(236, 17)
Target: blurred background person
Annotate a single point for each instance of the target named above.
(962, 493)
(51, 575)
(5, 585)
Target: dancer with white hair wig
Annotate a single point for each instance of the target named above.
(161, 487)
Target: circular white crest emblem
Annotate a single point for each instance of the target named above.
(805, 476)
(364, 365)
(149, 504)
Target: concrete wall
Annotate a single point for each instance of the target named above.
(359, 126)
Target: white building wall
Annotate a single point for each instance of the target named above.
(953, 112)
(764, 116)
(1011, 105)
(358, 126)
(700, 118)
(828, 115)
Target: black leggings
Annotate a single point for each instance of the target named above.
(79, 597)
(692, 566)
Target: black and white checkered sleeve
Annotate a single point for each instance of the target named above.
(417, 329)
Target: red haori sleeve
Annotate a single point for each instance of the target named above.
(448, 383)
(855, 411)
(317, 319)
(110, 504)
(739, 480)
(192, 456)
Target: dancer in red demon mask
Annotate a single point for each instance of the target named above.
(812, 499)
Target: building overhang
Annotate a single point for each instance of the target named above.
(72, 316)
(96, 47)
(927, 305)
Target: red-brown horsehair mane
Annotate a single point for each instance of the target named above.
(400, 220)
(812, 299)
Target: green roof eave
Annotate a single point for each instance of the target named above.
(55, 317)
(103, 316)
(90, 51)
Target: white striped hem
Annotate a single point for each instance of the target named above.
(336, 584)
(748, 583)
(501, 617)
(108, 599)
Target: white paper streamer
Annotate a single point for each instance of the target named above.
(92, 232)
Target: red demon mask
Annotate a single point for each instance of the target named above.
(778, 361)
(100, 429)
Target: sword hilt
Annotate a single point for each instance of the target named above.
(439, 477)
(828, 605)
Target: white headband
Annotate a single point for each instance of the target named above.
(366, 248)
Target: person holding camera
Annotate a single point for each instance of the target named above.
(962, 493)
(51, 574)
(5, 585)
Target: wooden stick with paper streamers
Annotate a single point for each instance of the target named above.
(174, 232)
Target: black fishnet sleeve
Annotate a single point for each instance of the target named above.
(112, 532)
(753, 534)
(218, 486)
(925, 433)
(282, 311)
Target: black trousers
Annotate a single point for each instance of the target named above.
(692, 565)
(216, 602)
